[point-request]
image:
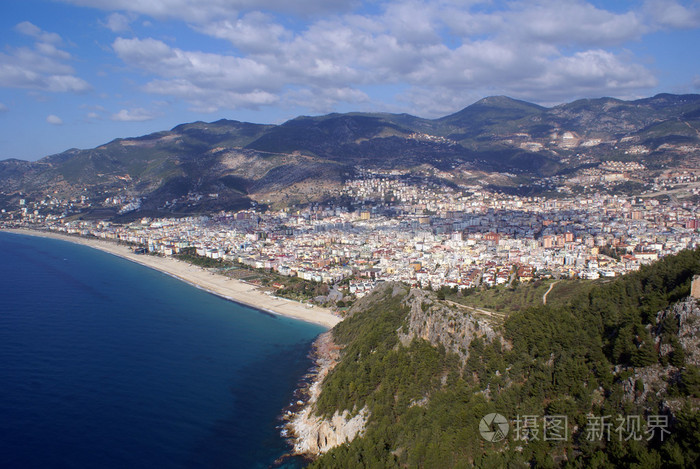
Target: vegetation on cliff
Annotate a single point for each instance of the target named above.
(608, 353)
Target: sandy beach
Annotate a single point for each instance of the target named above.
(225, 287)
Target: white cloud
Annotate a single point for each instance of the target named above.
(324, 100)
(439, 50)
(133, 115)
(587, 74)
(16, 74)
(436, 101)
(206, 99)
(43, 67)
(207, 81)
(94, 111)
(411, 22)
(571, 22)
(49, 50)
(34, 31)
(116, 22)
(198, 68)
(187, 10)
(201, 11)
(671, 14)
(253, 33)
(54, 120)
(142, 52)
(63, 83)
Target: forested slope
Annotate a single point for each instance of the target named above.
(619, 363)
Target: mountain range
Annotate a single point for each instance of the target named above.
(199, 167)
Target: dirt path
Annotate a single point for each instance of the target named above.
(485, 312)
(544, 297)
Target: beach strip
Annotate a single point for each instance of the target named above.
(231, 289)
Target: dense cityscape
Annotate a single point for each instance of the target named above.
(427, 235)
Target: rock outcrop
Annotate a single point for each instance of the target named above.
(682, 323)
(311, 434)
(685, 315)
(647, 380)
(427, 318)
(441, 324)
(316, 435)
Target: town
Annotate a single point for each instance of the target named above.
(426, 235)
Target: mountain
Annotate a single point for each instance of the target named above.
(226, 164)
(609, 378)
(487, 115)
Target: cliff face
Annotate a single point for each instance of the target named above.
(439, 322)
(676, 332)
(683, 317)
(426, 318)
(442, 324)
(314, 435)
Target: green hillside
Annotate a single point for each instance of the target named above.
(604, 353)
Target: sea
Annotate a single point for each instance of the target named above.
(108, 364)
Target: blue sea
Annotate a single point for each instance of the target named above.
(108, 364)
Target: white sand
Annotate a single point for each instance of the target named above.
(231, 289)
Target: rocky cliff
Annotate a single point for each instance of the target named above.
(311, 434)
(683, 320)
(441, 324)
(423, 317)
(676, 334)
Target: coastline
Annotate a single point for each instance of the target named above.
(227, 288)
(301, 424)
(311, 435)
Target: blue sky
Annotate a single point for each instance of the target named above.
(79, 73)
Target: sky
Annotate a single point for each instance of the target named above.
(80, 73)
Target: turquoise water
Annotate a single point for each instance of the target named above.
(105, 363)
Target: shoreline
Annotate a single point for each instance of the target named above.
(300, 422)
(215, 284)
(311, 435)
